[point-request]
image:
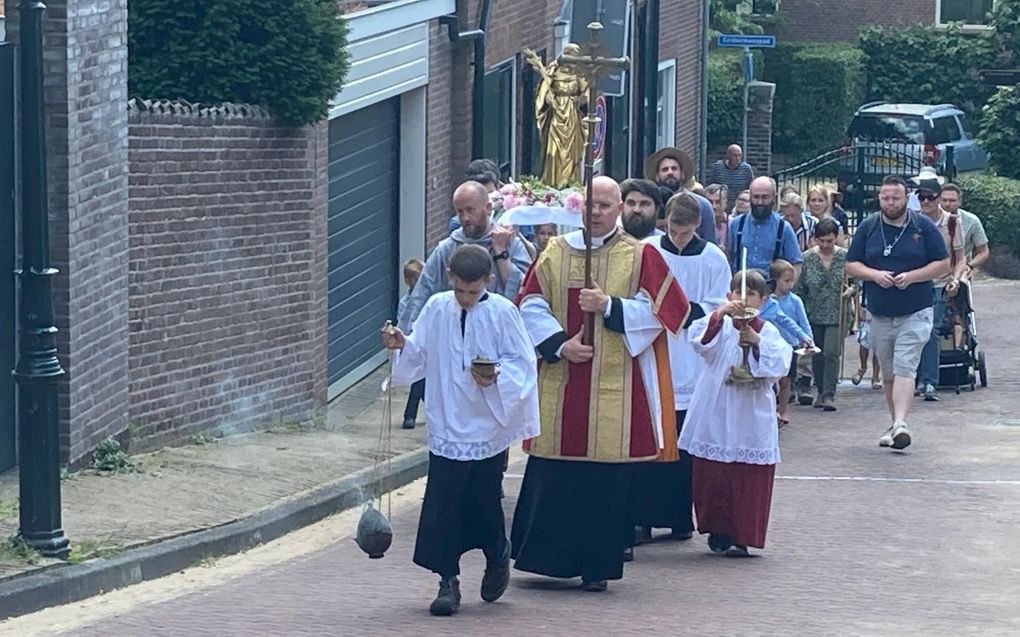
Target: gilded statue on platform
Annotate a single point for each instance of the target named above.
(561, 124)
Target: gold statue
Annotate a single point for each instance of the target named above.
(561, 127)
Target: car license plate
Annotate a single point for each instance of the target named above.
(885, 162)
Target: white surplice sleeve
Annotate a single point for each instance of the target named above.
(409, 363)
(773, 357)
(640, 326)
(714, 348)
(718, 283)
(513, 399)
(539, 321)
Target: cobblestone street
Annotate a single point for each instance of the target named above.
(862, 541)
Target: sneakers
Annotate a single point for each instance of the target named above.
(497, 577)
(447, 602)
(827, 404)
(897, 437)
(929, 393)
(718, 543)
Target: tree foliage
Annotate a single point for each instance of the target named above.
(286, 55)
(999, 132)
(724, 17)
(994, 200)
(928, 66)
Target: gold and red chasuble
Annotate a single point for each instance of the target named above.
(599, 411)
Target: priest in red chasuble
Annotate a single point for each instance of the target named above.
(603, 407)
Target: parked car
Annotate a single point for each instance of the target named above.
(899, 139)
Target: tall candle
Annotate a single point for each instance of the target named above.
(743, 274)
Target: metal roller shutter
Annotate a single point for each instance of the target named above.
(364, 212)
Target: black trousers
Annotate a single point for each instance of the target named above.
(462, 511)
(416, 395)
(661, 496)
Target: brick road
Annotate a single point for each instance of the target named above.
(863, 541)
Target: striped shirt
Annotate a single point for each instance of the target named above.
(736, 179)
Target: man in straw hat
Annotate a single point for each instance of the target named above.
(673, 170)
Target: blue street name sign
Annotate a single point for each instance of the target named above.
(751, 41)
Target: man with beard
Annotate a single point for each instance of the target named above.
(642, 207)
(764, 232)
(603, 406)
(509, 255)
(897, 255)
(673, 170)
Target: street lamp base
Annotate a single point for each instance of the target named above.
(49, 543)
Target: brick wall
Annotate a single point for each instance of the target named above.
(227, 305)
(85, 86)
(842, 21)
(444, 120)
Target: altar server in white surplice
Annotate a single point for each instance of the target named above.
(480, 397)
(663, 498)
(731, 427)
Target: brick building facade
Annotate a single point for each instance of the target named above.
(839, 21)
(218, 270)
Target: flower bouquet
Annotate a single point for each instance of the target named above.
(529, 202)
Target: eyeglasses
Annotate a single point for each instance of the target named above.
(927, 196)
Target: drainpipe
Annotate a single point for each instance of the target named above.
(651, 80)
(478, 36)
(703, 128)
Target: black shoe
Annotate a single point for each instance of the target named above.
(628, 554)
(680, 535)
(642, 535)
(497, 578)
(408, 423)
(718, 543)
(805, 399)
(447, 602)
(599, 586)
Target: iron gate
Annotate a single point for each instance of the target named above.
(856, 172)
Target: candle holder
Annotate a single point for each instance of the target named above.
(741, 374)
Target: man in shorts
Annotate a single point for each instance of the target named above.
(897, 254)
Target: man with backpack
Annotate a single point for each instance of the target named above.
(897, 254)
(763, 231)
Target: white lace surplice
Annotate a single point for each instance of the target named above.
(735, 423)
(465, 420)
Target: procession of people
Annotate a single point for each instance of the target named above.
(646, 368)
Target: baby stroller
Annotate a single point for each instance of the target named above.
(961, 363)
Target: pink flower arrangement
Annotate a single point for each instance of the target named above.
(529, 191)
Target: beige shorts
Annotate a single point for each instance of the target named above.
(898, 341)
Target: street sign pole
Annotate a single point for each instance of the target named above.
(747, 42)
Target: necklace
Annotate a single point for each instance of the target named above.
(889, 246)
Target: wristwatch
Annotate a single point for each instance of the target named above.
(502, 255)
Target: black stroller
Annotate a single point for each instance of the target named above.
(961, 363)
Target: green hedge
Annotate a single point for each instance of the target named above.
(928, 66)
(994, 200)
(999, 132)
(286, 55)
(818, 88)
(725, 96)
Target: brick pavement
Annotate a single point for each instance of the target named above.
(863, 542)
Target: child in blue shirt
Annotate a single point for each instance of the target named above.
(785, 310)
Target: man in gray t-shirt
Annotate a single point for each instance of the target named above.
(975, 241)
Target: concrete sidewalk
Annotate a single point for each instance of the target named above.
(214, 482)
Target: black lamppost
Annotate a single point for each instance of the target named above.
(38, 368)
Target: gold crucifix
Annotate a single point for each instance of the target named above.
(592, 64)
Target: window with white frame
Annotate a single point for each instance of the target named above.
(665, 119)
(969, 12)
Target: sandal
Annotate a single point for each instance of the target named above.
(782, 420)
(859, 376)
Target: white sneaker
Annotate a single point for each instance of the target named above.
(900, 436)
(887, 438)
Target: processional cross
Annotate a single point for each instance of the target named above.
(592, 64)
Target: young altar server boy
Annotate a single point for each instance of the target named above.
(731, 426)
(475, 412)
